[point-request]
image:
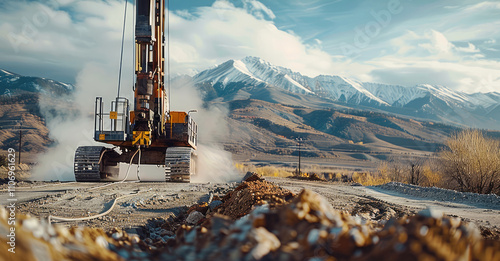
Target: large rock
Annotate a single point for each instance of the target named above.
(251, 176)
(39, 240)
(214, 204)
(194, 217)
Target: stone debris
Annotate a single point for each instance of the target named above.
(194, 217)
(247, 195)
(378, 212)
(236, 203)
(259, 221)
(38, 240)
(252, 176)
(214, 204)
(206, 198)
(440, 194)
(308, 228)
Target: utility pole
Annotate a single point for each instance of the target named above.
(20, 141)
(299, 140)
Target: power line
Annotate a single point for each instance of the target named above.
(168, 54)
(121, 54)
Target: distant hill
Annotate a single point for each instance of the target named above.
(251, 77)
(270, 107)
(20, 99)
(15, 84)
(340, 120)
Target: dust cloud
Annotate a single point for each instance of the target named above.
(214, 163)
(70, 121)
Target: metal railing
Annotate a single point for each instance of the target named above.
(118, 127)
(193, 131)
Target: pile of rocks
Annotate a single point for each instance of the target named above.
(252, 176)
(37, 240)
(256, 221)
(379, 212)
(309, 228)
(252, 192)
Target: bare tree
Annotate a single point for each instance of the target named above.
(406, 170)
(395, 169)
(473, 162)
(415, 171)
(432, 174)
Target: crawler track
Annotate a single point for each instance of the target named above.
(180, 164)
(87, 163)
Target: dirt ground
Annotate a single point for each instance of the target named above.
(378, 205)
(147, 201)
(258, 219)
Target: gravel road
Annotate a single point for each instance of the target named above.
(147, 201)
(143, 201)
(484, 211)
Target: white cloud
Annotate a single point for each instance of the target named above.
(223, 31)
(490, 41)
(184, 14)
(437, 43)
(430, 57)
(258, 9)
(89, 32)
(483, 6)
(469, 49)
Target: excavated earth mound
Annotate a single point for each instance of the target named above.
(240, 201)
(257, 221)
(309, 228)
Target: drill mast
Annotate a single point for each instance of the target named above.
(162, 137)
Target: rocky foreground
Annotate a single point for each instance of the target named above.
(256, 221)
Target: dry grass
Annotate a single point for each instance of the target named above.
(266, 171)
(23, 172)
(370, 178)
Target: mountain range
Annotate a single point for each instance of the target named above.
(347, 122)
(245, 78)
(21, 99)
(13, 84)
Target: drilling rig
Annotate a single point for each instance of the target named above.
(150, 133)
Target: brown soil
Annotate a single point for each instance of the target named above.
(246, 196)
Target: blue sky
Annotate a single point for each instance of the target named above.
(451, 43)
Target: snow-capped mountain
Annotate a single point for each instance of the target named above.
(423, 100)
(252, 71)
(12, 84)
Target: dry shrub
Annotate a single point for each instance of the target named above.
(267, 171)
(431, 177)
(370, 178)
(472, 162)
(3, 160)
(395, 170)
(416, 171)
